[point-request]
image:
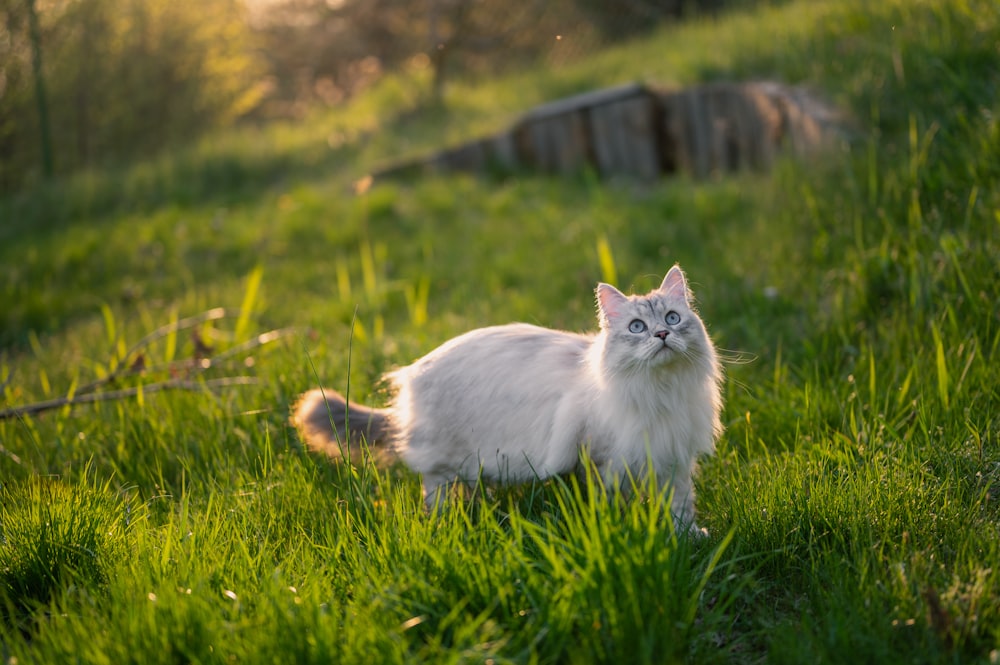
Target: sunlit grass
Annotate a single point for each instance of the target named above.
(854, 500)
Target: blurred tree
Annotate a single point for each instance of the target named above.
(328, 50)
(123, 78)
(325, 50)
(458, 28)
(18, 116)
(619, 19)
(40, 96)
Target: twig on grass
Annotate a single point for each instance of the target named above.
(259, 340)
(217, 361)
(133, 361)
(158, 334)
(12, 456)
(111, 395)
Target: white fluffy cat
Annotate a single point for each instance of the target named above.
(518, 402)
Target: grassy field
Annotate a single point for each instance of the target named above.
(854, 504)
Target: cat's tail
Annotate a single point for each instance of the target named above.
(328, 424)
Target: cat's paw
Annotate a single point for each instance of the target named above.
(696, 532)
(699, 532)
(690, 528)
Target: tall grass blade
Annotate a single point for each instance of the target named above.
(170, 340)
(110, 328)
(249, 300)
(606, 260)
(941, 365)
(417, 296)
(368, 274)
(343, 281)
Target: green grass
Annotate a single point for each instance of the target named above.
(853, 504)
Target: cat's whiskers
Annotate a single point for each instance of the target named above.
(733, 357)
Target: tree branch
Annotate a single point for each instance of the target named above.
(158, 334)
(88, 398)
(183, 373)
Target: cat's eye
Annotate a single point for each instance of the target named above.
(636, 326)
(673, 318)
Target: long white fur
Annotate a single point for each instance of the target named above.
(518, 402)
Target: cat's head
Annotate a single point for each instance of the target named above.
(655, 329)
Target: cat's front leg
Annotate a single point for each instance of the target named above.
(441, 488)
(437, 490)
(613, 479)
(682, 504)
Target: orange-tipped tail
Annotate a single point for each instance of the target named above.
(330, 425)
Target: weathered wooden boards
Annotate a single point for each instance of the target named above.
(727, 127)
(641, 132)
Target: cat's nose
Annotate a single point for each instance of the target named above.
(662, 334)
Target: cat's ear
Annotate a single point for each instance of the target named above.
(610, 302)
(674, 285)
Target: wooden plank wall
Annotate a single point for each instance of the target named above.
(640, 132)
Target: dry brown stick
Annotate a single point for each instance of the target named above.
(202, 364)
(161, 332)
(173, 384)
(14, 458)
(88, 393)
(259, 340)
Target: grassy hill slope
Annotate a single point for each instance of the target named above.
(853, 503)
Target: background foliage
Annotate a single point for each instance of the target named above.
(853, 503)
(125, 80)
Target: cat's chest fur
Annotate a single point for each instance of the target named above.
(666, 418)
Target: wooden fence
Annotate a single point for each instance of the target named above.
(644, 133)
